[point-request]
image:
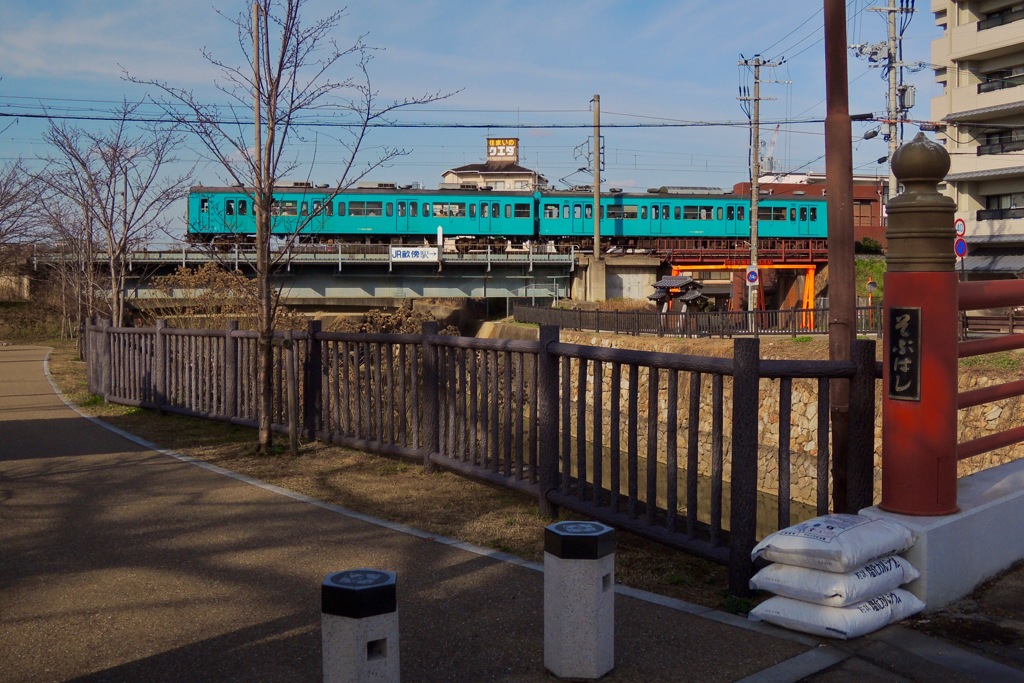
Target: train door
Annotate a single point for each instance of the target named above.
(402, 216)
(803, 220)
(734, 220)
(582, 217)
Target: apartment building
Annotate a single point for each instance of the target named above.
(979, 62)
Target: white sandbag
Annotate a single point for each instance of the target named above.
(831, 588)
(838, 622)
(834, 543)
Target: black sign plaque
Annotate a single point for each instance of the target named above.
(904, 327)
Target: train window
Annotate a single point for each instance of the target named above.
(414, 209)
(389, 209)
(426, 209)
(366, 208)
(718, 213)
(304, 211)
(522, 210)
(664, 212)
(771, 213)
(495, 210)
(655, 212)
(803, 213)
(730, 213)
(814, 213)
(204, 205)
(706, 213)
(229, 207)
(243, 207)
(472, 210)
(485, 210)
(792, 215)
(741, 212)
(317, 208)
(565, 211)
(691, 213)
(454, 209)
(341, 208)
(550, 211)
(329, 209)
(615, 212)
(508, 211)
(281, 208)
(678, 212)
(577, 211)
(401, 209)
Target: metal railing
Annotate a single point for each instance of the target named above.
(638, 440)
(792, 322)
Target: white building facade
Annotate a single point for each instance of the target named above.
(979, 62)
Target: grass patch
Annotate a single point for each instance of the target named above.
(804, 339)
(1004, 360)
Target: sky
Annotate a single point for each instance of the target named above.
(514, 69)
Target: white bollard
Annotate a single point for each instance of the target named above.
(359, 625)
(579, 600)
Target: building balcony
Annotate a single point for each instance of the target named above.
(1001, 147)
(969, 43)
(969, 98)
(967, 164)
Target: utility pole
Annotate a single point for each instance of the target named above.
(899, 98)
(755, 165)
(597, 177)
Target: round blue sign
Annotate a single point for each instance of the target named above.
(960, 247)
(751, 276)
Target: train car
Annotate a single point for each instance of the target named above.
(388, 214)
(662, 215)
(382, 214)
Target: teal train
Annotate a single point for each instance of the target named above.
(468, 218)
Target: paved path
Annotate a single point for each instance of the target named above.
(122, 563)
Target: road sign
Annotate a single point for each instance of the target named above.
(960, 247)
(961, 227)
(751, 275)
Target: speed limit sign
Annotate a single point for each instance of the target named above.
(961, 227)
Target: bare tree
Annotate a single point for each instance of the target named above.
(118, 178)
(18, 195)
(286, 75)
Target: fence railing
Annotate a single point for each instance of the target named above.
(980, 295)
(639, 440)
(791, 322)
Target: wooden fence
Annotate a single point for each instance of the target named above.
(638, 440)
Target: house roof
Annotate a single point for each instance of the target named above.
(492, 168)
(982, 175)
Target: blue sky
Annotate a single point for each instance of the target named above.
(515, 64)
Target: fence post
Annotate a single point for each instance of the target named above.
(919, 407)
(160, 363)
(292, 388)
(431, 429)
(547, 411)
(313, 382)
(860, 471)
(106, 372)
(230, 370)
(743, 489)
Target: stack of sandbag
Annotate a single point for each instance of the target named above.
(836, 576)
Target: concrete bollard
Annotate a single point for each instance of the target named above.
(359, 626)
(579, 600)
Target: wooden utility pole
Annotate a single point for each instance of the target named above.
(841, 290)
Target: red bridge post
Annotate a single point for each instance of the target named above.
(919, 409)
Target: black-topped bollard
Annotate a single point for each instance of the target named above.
(359, 626)
(579, 600)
